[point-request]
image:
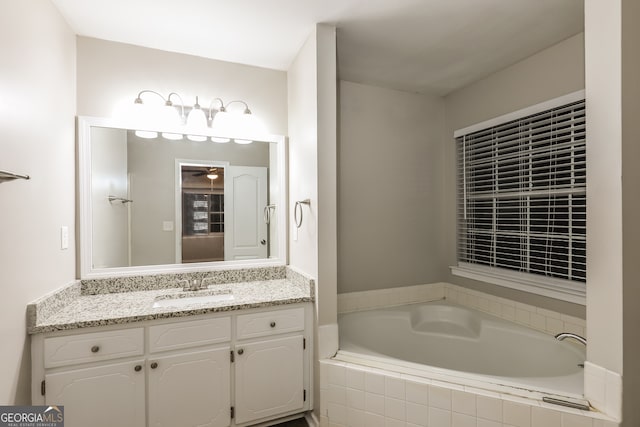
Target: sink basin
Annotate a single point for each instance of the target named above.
(184, 299)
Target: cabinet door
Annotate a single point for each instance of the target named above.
(190, 389)
(104, 396)
(269, 378)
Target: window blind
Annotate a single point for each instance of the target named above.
(522, 194)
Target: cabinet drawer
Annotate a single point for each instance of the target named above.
(270, 323)
(93, 347)
(172, 336)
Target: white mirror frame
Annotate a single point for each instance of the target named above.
(85, 124)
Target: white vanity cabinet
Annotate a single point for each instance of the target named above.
(269, 374)
(190, 387)
(222, 369)
(101, 396)
(117, 388)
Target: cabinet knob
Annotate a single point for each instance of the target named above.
(154, 365)
(240, 351)
(137, 368)
(273, 324)
(95, 349)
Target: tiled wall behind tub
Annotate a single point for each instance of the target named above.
(546, 321)
(357, 396)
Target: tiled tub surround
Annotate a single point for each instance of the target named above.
(121, 300)
(537, 318)
(343, 405)
(355, 396)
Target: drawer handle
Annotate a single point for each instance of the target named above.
(273, 324)
(154, 365)
(138, 368)
(240, 351)
(95, 349)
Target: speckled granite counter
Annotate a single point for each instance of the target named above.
(79, 306)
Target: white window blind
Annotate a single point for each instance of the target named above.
(522, 194)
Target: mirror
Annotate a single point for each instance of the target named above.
(157, 205)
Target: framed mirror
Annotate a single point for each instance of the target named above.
(152, 205)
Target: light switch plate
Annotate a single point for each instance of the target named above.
(64, 237)
(167, 225)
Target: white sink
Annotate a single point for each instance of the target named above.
(190, 298)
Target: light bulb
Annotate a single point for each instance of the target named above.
(146, 134)
(220, 140)
(196, 138)
(222, 124)
(171, 116)
(242, 141)
(251, 125)
(197, 119)
(172, 136)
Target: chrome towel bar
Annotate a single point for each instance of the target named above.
(119, 199)
(298, 206)
(9, 176)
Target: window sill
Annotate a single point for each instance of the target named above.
(564, 290)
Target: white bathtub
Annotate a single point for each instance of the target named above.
(443, 341)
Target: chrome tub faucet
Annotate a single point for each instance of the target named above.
(563, 335)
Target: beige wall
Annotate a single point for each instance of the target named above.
(111, 74)
(551, 73)
(390, 174)
(312, 165)
(613, 239)
(37, 107)
(312, 175)
(303, 146)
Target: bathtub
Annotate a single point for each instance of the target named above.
(443, 341)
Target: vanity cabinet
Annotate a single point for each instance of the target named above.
(190, 389)
(110, 394)
(269, 378)
(264, 358)
(213, 370)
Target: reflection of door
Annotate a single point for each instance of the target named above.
(245, 191)
(109, 178)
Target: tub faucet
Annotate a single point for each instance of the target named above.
(561, 336)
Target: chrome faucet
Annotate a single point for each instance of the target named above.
(193, 285)
(561, 336)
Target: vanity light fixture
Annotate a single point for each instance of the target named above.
(168, 114)
(171, 115)
(217, 121)
(222, 121)
(197, 121)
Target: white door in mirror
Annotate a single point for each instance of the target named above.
(245, 233)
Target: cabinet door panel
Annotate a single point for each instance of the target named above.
(269, 378)
(190, 389)
(104, 396)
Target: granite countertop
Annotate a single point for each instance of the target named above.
(70, 308)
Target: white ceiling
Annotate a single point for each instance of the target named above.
(427, 46)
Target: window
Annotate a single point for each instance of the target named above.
(522, 201)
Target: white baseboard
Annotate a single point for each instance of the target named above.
(312, 419)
